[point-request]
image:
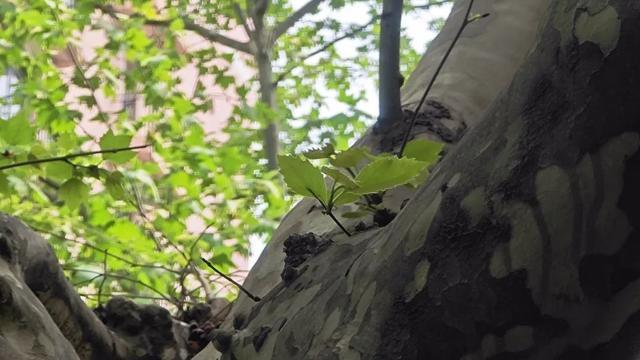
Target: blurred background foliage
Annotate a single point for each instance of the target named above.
(136, 223)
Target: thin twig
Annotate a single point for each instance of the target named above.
(249, 294)
(122, 277)
(104, 278)
(323, 48)
(71, 156)
(76, 63)
(104, 251)
(465, 22)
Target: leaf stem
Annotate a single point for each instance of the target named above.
(71, 156)
(466, 22)
(330, 213)
(250, 295)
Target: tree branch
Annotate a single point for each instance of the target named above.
(348, 34)
(466, 21)
(430, 4)
(189, 24)
(282, 27)
(71, 156)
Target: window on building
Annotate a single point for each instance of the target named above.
(8, 107)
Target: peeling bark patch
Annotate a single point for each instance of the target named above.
(419, 280)
(601, 28)
(475, 204)
(420, 227)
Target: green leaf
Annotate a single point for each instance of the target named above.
(345, 197)
(4, 184)
(302, 177)
(321, 153)
(58, 170)
(17, 130)
(386, 173)
(115, 185)
(340, 177)
(73, 192)
(349, 158)
(423, 150)
(111, 141)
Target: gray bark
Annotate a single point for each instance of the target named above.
(523, 244)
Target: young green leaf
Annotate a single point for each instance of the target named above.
(111, 141)
(387, 172)
(302, 177)
(349, 158)
(73, 192)
(58, 170)
(423, 150)
(343, 197)
(340, 177)
(321, 153)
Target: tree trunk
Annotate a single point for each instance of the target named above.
(522, 244)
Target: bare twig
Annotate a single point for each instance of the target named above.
(243, 20)
(250, 295)
(464, 24)
(71, 156)
(292, 65)
(104, 278)
(123, 277)
(189, 24)
(430, 4)
(282, 27)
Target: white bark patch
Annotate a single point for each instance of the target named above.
(553, 191)
(416, 285)
(475, 204)
(611, 223)
(524, 250)
(416, 234)
(353, 327)
(601, 28)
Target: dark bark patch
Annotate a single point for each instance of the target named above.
(382, 217)
(298, 248)
(6, 295)
(260, 336)
(5, 248)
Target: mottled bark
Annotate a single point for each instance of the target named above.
(490, 49)
(523, 244)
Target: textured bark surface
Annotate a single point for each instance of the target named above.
(523, 244)
(469, 62)
(42, 317)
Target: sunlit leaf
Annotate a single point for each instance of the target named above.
(302, 177)
(73, 192)
(387, 172)
(110, 141)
